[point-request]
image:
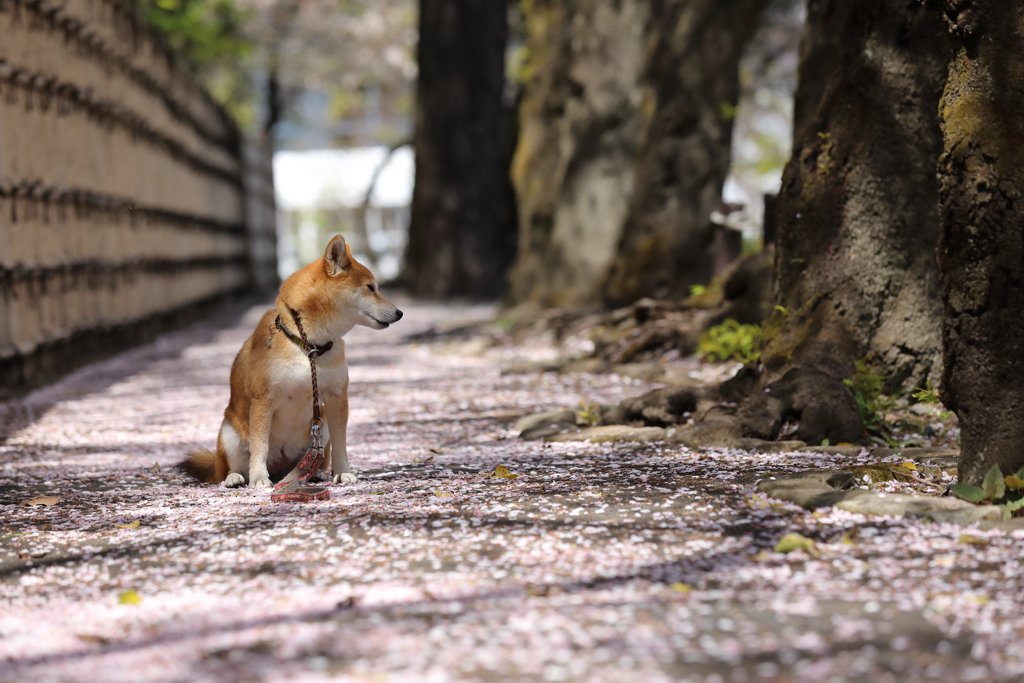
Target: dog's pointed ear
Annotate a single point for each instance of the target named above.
(338, 256)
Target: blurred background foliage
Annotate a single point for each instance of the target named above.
(310, 73)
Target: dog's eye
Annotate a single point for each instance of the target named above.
(370, 287)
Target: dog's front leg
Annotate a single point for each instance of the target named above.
(261, 416)
(337, 423)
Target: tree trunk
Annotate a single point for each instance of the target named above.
(573, 169)
(690, 93)
(981, 178)
(856, 276)
(627, 122)
(818, 52)
(462, 236)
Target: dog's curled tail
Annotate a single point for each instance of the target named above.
(201, 465)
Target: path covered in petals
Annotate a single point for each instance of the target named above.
(625, 562)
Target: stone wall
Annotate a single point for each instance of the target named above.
(125, 201)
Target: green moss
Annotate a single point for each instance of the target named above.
(706, 296)
(825, 153)
(786, 331)
(731, 341)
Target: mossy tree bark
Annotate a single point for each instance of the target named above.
(626, 133)
(573, 168)
(462, 237)
(981, 180)
(691, 87)
(856, 275)
(818, 52)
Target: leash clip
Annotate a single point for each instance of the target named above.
(270, 339)
(315, 431)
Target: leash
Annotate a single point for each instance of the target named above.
(292, 488)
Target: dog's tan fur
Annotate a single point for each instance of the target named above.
(266, 423)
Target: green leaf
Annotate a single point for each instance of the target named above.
(927, 395)
(975, 494)
(1013, 506)
(826, 442)
(993, 484)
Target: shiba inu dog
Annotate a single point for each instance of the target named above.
(266, 423)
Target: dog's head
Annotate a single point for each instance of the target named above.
(351, 284)
(335, 293)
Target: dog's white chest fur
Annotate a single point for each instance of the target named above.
(292, 388)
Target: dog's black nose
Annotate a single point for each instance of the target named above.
(398, 315)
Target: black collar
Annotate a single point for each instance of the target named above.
(320, 350)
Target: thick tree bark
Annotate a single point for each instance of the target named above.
(818, 57)
(573, 169)
(463, 231)
(856, 274)
(690, 95)
(626, 132)
(981, 176)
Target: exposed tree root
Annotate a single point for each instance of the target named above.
(803, 405)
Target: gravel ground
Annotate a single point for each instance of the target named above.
(597, 562)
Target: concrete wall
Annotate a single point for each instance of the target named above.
(125, 200)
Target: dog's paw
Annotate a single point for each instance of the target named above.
(345, 478)
(260, 483)
(234, 480)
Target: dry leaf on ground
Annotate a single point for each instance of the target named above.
(972, 540)
(443, 494)
(130, 525)
(41, 500)
(794, 541)
(129, 597)
(760, 556)
(502, 472)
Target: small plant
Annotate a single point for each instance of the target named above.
(1006, 492)
(731, 341)
(872, 403)
(697, 290)
(927, 396)
(930, 397)
(588, 413)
